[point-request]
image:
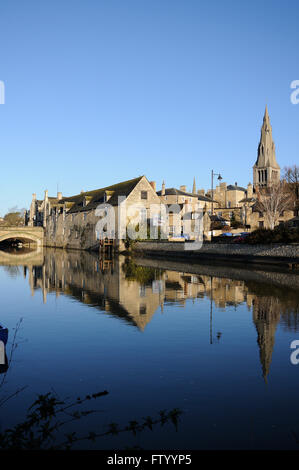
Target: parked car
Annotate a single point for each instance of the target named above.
(226, 234)
(241, 237)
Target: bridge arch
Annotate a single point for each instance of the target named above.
(22, 235)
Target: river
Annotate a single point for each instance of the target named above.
(211, 341)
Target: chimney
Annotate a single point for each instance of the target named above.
(236, 184)
(183, 188)
(163, 189)
(34, 197)
(59, 196)
(153, 185)
(82, 191)
(46, 195)
(201, 192)
(249, 190)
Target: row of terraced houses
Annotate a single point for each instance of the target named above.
(71, 222)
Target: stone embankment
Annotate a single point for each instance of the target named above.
(272, 254)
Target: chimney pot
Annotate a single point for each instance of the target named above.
(153, 185)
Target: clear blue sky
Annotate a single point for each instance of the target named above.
(103, 91)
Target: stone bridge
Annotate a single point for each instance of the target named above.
(23, 234)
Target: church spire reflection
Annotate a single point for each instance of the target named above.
(134, 292)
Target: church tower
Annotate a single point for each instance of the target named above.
(266, 169)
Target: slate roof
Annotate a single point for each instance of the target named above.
(97, 196)
(178, 192)
(233, 187)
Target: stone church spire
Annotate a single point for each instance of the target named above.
(194, 187)
(266, 169)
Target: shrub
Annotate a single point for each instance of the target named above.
(280, 234)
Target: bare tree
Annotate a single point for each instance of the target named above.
(291, 176)
(273, 200)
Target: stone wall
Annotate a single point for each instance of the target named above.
(273, 250)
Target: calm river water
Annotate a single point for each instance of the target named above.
(211, 341)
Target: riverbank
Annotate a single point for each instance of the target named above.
(238, 272)
(281, 256)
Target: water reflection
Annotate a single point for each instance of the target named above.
(134, 290)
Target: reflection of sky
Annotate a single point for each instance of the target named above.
(75, 349)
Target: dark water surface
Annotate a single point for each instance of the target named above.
(214, 342)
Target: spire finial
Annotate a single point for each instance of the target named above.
(194, 186)
(266, 116)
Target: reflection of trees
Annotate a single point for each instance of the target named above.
(12, 271)
(134, 292)
(141, 274)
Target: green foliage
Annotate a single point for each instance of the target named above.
(46, 417)
(14, 219)
(280, 234)
(143, 275)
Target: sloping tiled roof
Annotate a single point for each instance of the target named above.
(178, 192)
(175, 192)
(97, 196)
(233, 187)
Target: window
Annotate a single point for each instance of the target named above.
(261, 224)
(142, 291)
(143, 194)
(84, 216)
(142, 310)
(143, 214)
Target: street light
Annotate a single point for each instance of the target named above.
(219, 179)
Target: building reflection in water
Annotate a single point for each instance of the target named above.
(134, 292)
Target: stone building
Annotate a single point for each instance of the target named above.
(241, 204)
(266, 169)
(266, 172)
(71, 222)
(187, 204)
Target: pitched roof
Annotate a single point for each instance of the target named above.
(233, 187)
(97, 196)
(178, 192)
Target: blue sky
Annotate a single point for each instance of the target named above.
(102, 91)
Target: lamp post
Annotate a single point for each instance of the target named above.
(219, 179)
